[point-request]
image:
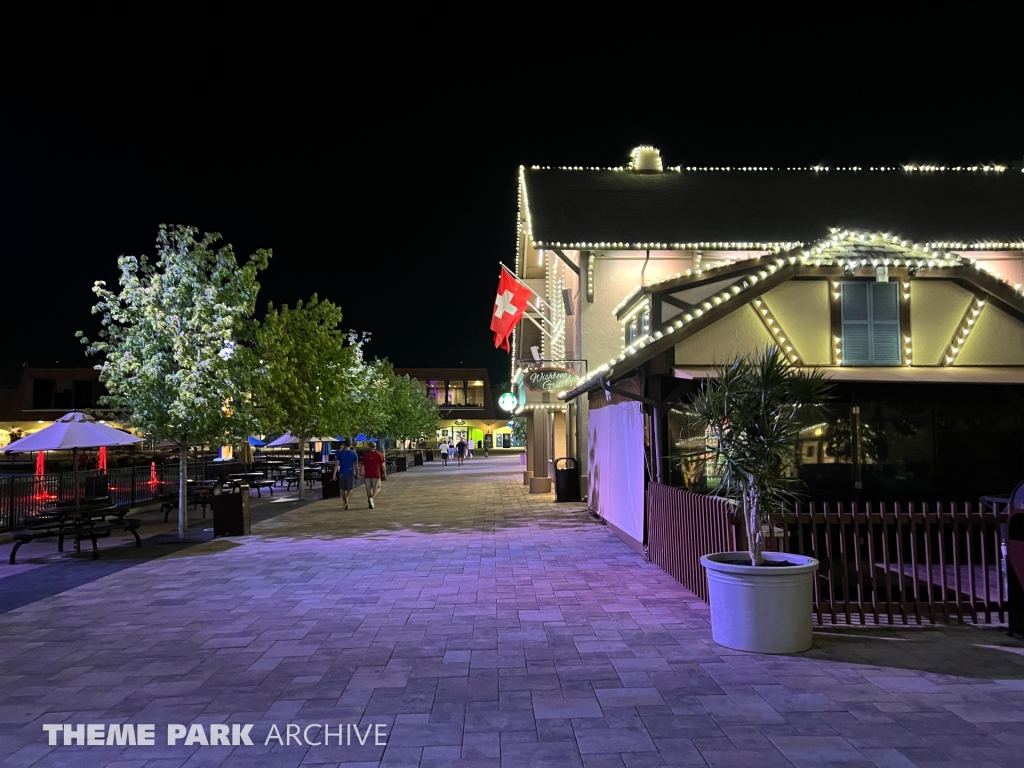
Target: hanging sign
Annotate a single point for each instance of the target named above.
(507, 401)
(550, 379)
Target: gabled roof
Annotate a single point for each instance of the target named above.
(761, 208)
(834, 256)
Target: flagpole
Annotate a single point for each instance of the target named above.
(514, 277)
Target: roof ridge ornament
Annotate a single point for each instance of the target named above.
(644, 159)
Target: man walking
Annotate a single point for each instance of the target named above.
(374, 470)
(443, 450)
(345, 470)
(460, 450)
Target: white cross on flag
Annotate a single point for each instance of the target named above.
(509, 304)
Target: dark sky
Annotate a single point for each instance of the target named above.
(394, 194)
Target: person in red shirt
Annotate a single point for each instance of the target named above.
(374, 470)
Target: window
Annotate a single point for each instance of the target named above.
(456, 393)
(631, 331)
(475, 392)
(645, 323)
(871, 324)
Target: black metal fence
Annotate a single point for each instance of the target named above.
(24, 496)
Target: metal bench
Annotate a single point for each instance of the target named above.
(257, 484)
(85, 530)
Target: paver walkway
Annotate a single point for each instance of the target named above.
(482, 626)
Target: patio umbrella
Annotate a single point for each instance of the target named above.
(71, 432)
(255, 442)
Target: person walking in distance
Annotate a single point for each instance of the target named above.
(443, 450)
(461, 450)
(345, 470)
(374, 469)
(451, 450)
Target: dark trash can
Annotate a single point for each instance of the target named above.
(567, 480)
(96, 486)
(330, 486)
(417, 459)
(1015, 573)
(401, 464)
(231, 512)
(430, 455)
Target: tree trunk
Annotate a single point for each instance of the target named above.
(183, 491)
(752, 513)
(302, 466)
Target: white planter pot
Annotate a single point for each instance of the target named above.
(764, 609)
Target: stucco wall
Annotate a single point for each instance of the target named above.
(614, 278)
(735, 335)
(936, 308)
(801, 308)
(995, 339)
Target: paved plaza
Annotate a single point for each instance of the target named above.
(479, 626)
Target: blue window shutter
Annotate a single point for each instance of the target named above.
(856, 348)
(885, 324)
(871, 324)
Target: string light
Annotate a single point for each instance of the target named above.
(963, 331)
(782, 340)
(818, 255)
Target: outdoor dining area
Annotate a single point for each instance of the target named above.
(87, 516)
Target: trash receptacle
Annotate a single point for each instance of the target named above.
(231, 512)
(430, 455)
(417, 459)
(1015, 573)
(567, 480)
(401, 464)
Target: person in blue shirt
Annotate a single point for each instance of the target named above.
(345, 462)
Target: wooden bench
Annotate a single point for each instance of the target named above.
(62, 530)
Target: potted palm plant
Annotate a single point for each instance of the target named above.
(753, 409)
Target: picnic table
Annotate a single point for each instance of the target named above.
(93, 520)
(255, 480)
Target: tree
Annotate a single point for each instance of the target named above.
(754, 409)
(395, 406)
(309, 375)
(174, 342)
(519, 430)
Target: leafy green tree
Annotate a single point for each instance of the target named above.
(174, 342)
(394, 406)
(519, 430)
(310, 373)
(754, 409)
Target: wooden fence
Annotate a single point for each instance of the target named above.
(682, 526)
(901, 563)
(879, 563)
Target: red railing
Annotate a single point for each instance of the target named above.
(879, 563)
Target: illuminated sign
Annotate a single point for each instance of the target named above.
(507, 401)
(550, 379)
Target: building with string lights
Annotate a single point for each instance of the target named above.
(902, 283)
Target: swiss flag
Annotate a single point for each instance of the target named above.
(509, 305)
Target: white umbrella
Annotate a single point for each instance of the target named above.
(69, 433)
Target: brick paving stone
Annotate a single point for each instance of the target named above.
(482, 626)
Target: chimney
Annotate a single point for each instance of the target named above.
(645, 160)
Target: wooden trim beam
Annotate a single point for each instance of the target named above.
(568, 262)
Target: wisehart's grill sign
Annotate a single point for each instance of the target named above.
(550, 379)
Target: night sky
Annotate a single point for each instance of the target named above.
(395, 196)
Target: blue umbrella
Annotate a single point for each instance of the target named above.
(256, 442)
